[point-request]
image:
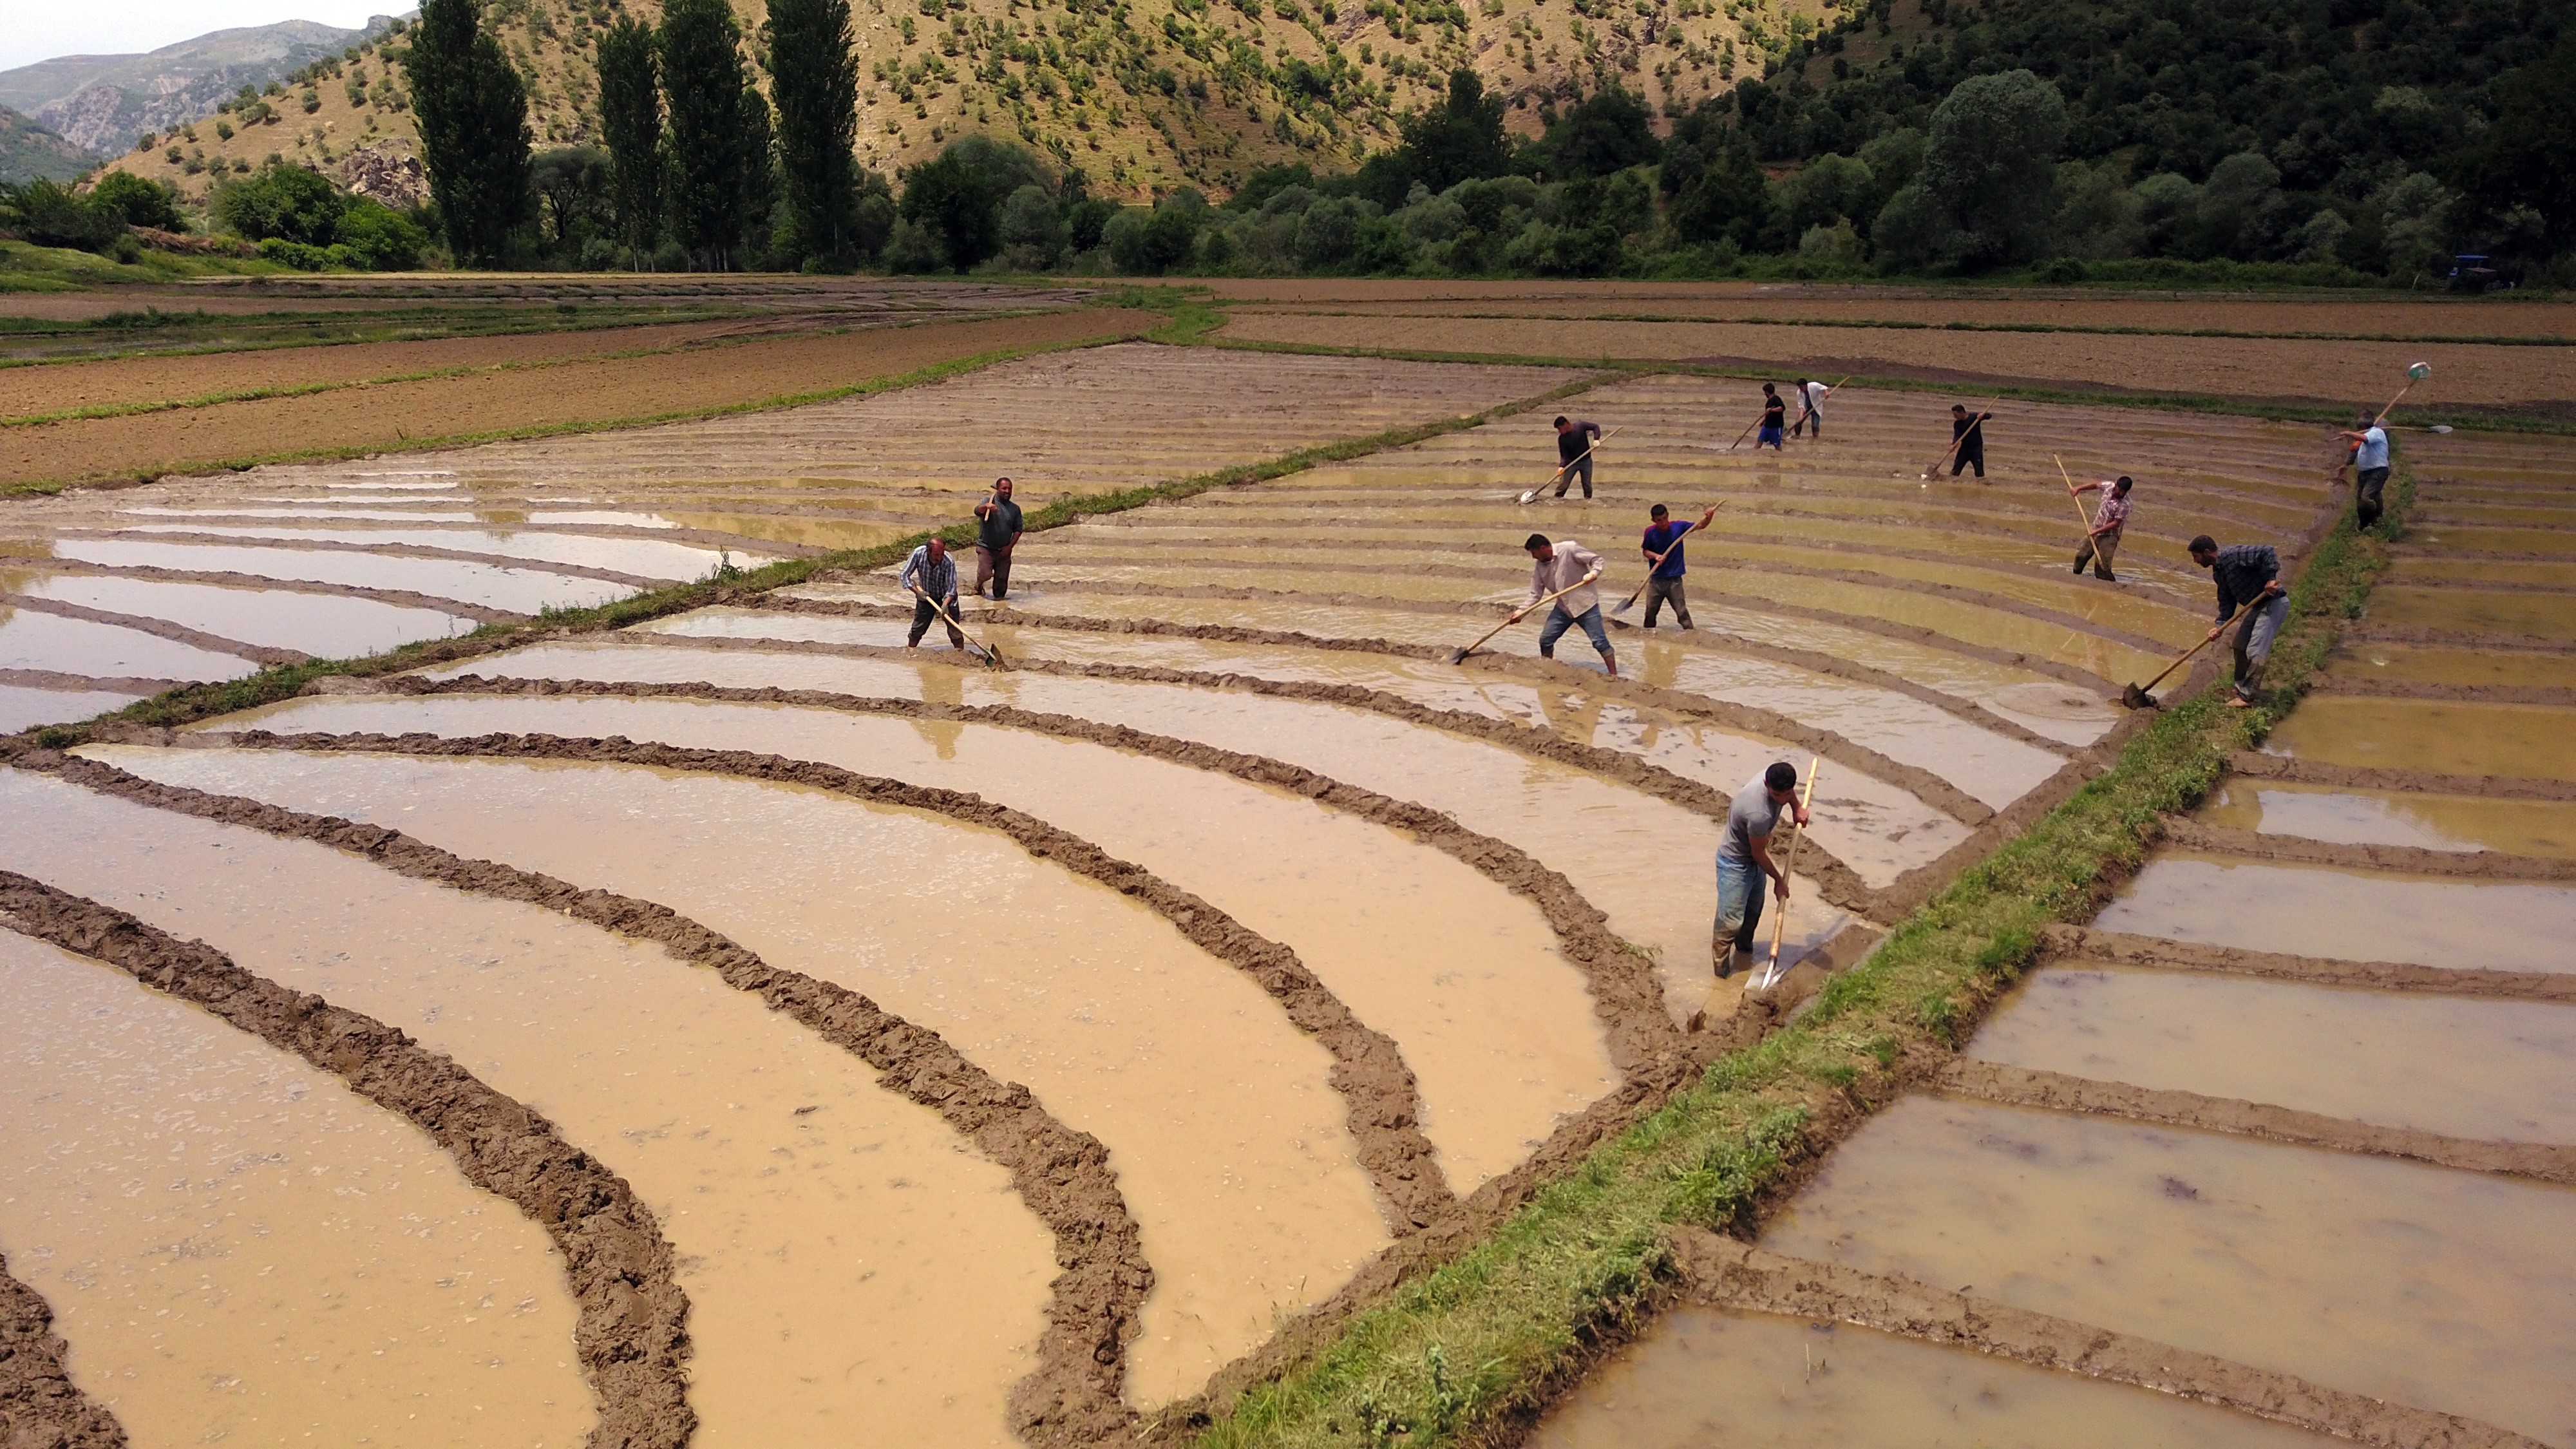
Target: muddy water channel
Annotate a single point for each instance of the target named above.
(1227, 1137)
(2348, 915)
(240, 1249)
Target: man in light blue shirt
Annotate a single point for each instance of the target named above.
(2370, 455)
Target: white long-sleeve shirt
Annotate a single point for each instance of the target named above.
(1570, 562)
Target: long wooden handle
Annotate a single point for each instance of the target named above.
(1976, 421)
(1780, 921)
(2071, 493)
(2196, 648)
(1579, 457)
(1525, 612)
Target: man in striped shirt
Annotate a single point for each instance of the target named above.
(2113, 515)
(932, 575)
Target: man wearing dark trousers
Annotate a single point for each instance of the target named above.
(1744, 859)
(2248, 575)
(931, 574)
(1663, 550)
(1575, 440)
(2104, 539)
(1968, 440)
(997, 532)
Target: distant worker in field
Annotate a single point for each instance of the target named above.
(1775, 421)
(2248, 576)
(1662, 547)
(1744, 859)
(1566, 565)
(2370, 454)
(2108, 520)
(1967, 440)
(1575, 440)
(1811, 408)
(931, 574)
(997, 532)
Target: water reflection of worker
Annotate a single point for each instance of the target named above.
(2104, 540)
(1569, 567)
(948, 687)
(2248, 575)
(1662, 547)
(932, 575)
(1775, 421)
(1967, 440)
(997, 532)
(1744, 858)
(1575, 442)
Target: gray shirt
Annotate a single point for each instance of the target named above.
(1749, 819)
(1000, 528)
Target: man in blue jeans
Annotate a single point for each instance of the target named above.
(1565, 564)
(2248, 574)
(1744, 858)
(1663, 550)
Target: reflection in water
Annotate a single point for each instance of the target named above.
(2383, 817)
(2353, 916)
(2438, 736)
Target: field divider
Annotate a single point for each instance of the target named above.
(159, 628)
(111, 683)
(224, 579)
(631, 1333)
(384, 550)
(2291, 770)
(39, 1403)
(2079, 944)
(2189, 834)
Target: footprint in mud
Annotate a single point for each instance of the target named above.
(2176, 1188)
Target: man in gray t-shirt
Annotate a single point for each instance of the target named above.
(1744, 858)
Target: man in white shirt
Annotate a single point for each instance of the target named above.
(1565, 564)
(1811, 407)
(2370, 455)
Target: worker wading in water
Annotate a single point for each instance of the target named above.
(1560, 565)
(997, 532)
(1663, 550)
(1575, 440)
(931, 574)
(1744, 859)
(2248, 574)
(2108, 520)
(1967, 440)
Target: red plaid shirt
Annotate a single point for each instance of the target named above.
(2113, 513)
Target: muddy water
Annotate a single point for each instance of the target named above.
(2489, 572)
(2498, 1070)
(2379, 817)
(1465, 976)
(1705, 1376)
(2458, 538)
(520, 590)
(2475, 611)
(240, 1249)
(2453, 666)
(29, 640)
(315, 624)
(1228, 1140)
(2415, 734)
(2447, 1290)
(648, 558)
(814, 1210)
(21, 707)
(2348, 915)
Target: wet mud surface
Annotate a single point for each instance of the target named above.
(2424, 822)
(2324, 911)
(39, 1404)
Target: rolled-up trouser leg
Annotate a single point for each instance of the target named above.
(2097, 552)
(1002, 571)
(1593, 629)
(1551, 629)
(1579, 469)
(983, 569)
(2254, 643)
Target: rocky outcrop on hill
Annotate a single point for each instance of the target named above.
(386, 170)
(101, 103)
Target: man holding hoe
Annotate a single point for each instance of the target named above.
(932, 576)
(1568, 567)
(1663, 550)
(1744, 858)
(2104, 539)
(1575, 440)
(997, 532)
(2249, 580)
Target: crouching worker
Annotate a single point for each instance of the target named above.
(931, 574)
(1566, 565)
(2248, 577)
(1744, 859)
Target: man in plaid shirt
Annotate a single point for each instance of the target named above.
(2104, 540)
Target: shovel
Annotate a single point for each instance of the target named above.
(1769, 976)
(992, 658)
(1460, 656)
(1562, 468)
(1976, 424)
(2135, 696)
(1630, 602)
(2415, 372)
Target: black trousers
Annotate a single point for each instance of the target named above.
(2366, 499)
(1970, 457)
(923, 612)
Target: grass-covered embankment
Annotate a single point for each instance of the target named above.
(1479, 1343)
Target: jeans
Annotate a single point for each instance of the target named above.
(2254, 642)
(923, 612)
(1739, 910)
(1558, 621)
(1808, 420)
(1660, 590)
(2366, 504)
(2097, 552)
(1579, 468)
(993, 565)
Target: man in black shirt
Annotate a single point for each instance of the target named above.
(2247, 574)
(1775, 421)
(997, 532)
(1967, 440)
(1574, 443)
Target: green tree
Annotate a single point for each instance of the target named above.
(702, 76)
(1459, 140)
(1990, 170)
(287, 203)
(2527, 158)
(573, 183)
(814, 79)
(1608, 131)
(474, 135)
(955, 201)
(630, 115)
(139, 202)
(1725, 197)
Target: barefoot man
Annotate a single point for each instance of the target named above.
(1744, 858)
(1562, 564)
(2248, 574)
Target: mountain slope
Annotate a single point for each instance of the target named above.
(102, 102)
(28, 151)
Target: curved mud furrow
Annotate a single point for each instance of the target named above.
(1377, 1088)
(261, 654)
(2059, 1092)
(2413, 860)
(2366, 632)
(1723, 1273)
(537, 504)
(219, 578)
(113, 683)
(1064, 1176)
(2362, 686)
(2290, 771)
(632, 1335)
(2117, 948)
(388, 550)
(40, 1406)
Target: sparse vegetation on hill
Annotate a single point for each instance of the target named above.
(29, 151)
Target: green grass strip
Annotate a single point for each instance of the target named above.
(1493, 1334)
(1899, 324)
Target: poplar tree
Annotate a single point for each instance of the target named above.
(814, 81)
(702, 76)
(474, 136)
(630, 113)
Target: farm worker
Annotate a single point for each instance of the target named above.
(932, 575)
(1575, 440)
(1663, 550)
(1566, 564)
(2370, 452)
(1811, 408)
(1744, 857)
(2247, 574)
(1968, 440)
(2361, 421)
(997, 532)
(2108, 520)
(1775, 417)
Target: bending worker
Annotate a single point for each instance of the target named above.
(1575, 440)
(2248, 574)
(1967, 440)
(932, 575)
(1566, 565)
(2113, 516)
(1663, 550)
(1744, 858)
(1811, 408)
(2370, 454)
(997, 532)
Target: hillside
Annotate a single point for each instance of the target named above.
(1141, 94)
(102, 102)
(28, 150)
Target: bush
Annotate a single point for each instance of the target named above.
(379, 239)
(139, 202)
(53, 215)
(283, 202)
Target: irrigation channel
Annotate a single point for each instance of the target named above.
(741, 1029)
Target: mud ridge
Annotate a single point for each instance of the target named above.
(387, 550)
(2256, 766)
(115, 683)
(2414, 860)
(40, 1406)
(222, 579)
(703, 537)
(2366, 632)
(2058, 1092)
(143, 624)
(631, 1334)
(1064, 1176)
(2073, 944)
(1724, 1273)
(1380, 1098)
(2359, 686)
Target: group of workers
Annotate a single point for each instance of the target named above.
(930, 574)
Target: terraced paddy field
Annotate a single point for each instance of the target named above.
(784, 1034)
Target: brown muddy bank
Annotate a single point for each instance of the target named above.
(632, 1336)
(40, 1406)
(2115, 948)
(176, 633)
